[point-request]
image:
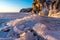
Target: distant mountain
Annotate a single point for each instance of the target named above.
(26, 10)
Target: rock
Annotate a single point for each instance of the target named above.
(55, 15)
(40, 29)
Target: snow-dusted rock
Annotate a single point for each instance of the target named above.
(54, 14)
(26, 36)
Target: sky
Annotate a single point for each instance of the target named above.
(14, 5)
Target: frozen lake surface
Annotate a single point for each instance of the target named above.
(6, 17)
(3, 22)
(21, 26)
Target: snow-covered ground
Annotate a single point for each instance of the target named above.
(30, 27)
(13, 15)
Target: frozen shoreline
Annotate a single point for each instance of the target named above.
(46, 27)
(13, 15)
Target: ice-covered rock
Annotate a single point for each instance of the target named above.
(54, 13)
(26, 36)
(49, 29)
(22, 24)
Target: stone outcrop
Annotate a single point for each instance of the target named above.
(53, 7)
(53, 13)
(36, 6)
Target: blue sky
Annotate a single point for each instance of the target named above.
(14, 5)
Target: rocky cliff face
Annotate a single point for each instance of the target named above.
(44, 8)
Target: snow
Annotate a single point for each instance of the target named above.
(31, 27)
